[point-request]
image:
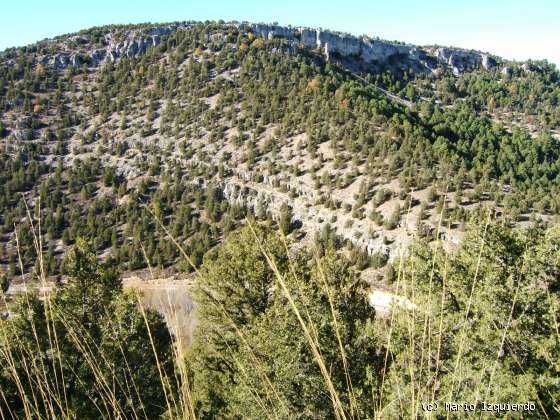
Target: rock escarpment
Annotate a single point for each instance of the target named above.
(376, 51)
(312, 220)
(358, 49)
(129, 43)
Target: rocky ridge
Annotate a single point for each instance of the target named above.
(361, 49)
(375, 51)
(131, 43)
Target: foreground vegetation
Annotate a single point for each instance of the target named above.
(289, 335)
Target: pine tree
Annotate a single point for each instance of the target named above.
(285, 219)
(94, 321)
(247, 325)
(4, 282)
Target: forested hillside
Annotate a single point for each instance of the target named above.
(287, 173)
(214, 123)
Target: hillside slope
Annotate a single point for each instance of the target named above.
(129, 135)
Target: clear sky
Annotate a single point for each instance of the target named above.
(515, 29)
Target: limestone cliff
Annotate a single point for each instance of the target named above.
(359, 49)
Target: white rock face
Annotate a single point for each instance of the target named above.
(384, 302)
(458, 60)
(131, 43)
(362, 49)
(137, 42)
(488, 62)
(369, 50)
(253, 196)
(308, 37)
(372, 246)
(270, 31)
(347, 45)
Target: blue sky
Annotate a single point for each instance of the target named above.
(517, 29)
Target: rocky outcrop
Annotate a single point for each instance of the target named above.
(385, 302)
(62, 60)
(370, 50)
(507, 71)
(531, 68)
(361, 49)
(312, 220)
(127, 43)
(488, 62)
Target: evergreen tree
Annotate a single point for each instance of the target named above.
(285, 218)
(250, 345)
(87, 346)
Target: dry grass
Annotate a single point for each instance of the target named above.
(173, 299)
(48, 395)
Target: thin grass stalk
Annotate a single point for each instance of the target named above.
(163, 376)
(468, 308)
(337, 405)
(34, 331)
(37, 238)
(353, 403)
